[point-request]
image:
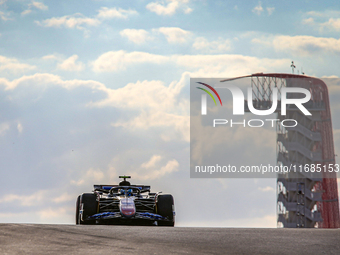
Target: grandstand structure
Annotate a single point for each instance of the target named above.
(305, 199)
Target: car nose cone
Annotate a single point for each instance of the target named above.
(127, 207)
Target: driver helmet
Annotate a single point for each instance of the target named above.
(129, 192)
(122, 191)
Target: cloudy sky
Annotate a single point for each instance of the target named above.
(92, 89)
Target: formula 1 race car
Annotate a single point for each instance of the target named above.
(125, 204)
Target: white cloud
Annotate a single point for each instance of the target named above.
(63, 198)
(91, 176)
(309, 21)
(36, 5)
(154, 168)
(119, 60)
(161, 8)
(54, 214)
(170, 167)
(25, 200)
(143, 95)
(45, 79)
(270, 10)
(4, 16)
(44, 210)
(267, 189)
(265, 41)
(51, 57)
(174, 34)
(218, 46)
(71, 64)
(156, 104)
(330, 76)
(109, 13)
(70, 21)
(222, 65)
(188, 10)
(306, 45)
(13, 65)
(39, 5)
(301, 45)
(146, 96)
(258, 9)
(178, 126)
(228, 65)
(323, 21)
(20, 127)
(327, 13)
(332, 24)
(137, 36)
(4, 127)
(152, 162)
(80, 21)
(26, 12)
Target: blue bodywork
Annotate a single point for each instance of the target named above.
(112, 215)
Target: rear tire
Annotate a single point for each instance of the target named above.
(165, 208)
(90, 207)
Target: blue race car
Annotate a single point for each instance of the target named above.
(125, 204)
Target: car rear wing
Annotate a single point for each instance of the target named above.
(142, 188)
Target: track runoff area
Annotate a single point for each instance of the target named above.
(112, 239)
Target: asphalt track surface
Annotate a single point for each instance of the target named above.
(100, 239)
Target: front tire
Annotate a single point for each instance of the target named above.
(77, 210)
(89, 204)
(165, 208)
